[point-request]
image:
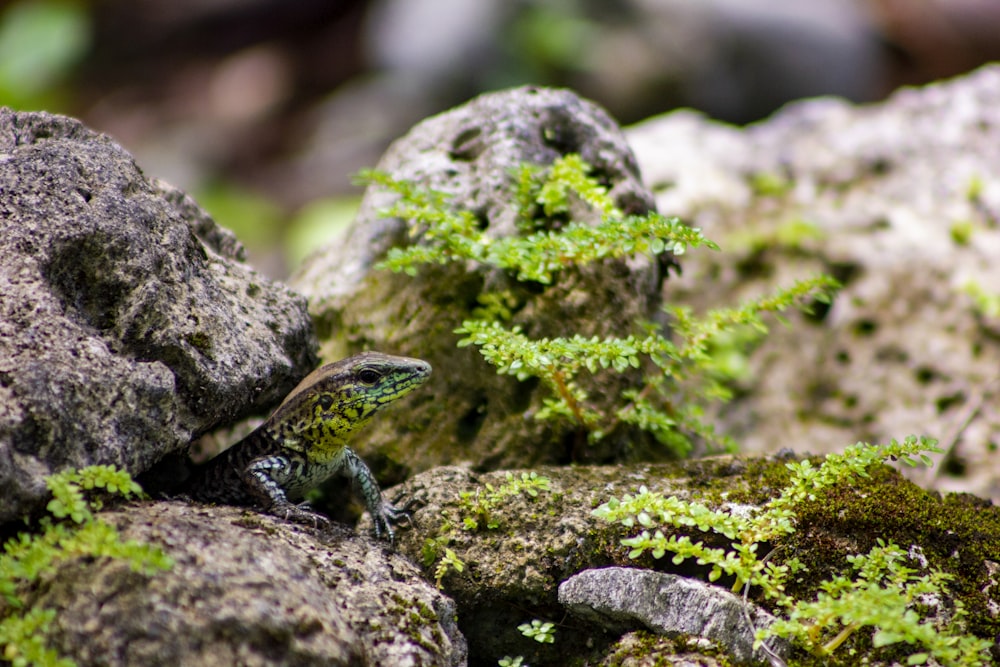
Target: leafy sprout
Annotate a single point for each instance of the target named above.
(677, 374)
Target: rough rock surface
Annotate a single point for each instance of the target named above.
(901, 202)
(128, 322)
(641, 649)
(467, 412)
(622, 598)
(512, 571)
(248, 589)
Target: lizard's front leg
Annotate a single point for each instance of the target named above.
(383, 513)
(261, 478)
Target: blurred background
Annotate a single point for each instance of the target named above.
(263, 109)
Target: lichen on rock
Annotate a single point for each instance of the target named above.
(899, 201)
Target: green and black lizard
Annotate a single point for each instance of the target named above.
(305, 442)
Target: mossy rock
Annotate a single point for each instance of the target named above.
(512, 572)
(468, 413)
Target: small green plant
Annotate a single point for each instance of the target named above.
(542, 632)
(71, 531)
(536, 256)
(986, 303)
(885, 596)
(961, 232)
(845, 605)
(677, 376)
(478, 510)
(508, 661)
(974, 189)
(480, 506)
(449, 562)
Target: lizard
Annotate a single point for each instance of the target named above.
(305, 442)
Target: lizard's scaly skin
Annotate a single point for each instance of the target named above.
(306, 441)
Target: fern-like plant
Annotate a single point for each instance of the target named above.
(478, 510)
(883, 596)
(680, 374)
(71, 531)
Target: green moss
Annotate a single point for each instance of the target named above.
(201, 341)
(740, 480)
(416, 619)
(955, 534)
(651, 650)
(849, 510)
(256, 521)
(426, 612)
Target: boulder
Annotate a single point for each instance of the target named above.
(900, 202)
(129, 322)
(467, 413)
(248, 589)
(513, 569)
(519, 552)
(622, 598)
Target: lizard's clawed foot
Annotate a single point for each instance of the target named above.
(389, 515)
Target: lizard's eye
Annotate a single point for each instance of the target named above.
(369, 375)
(325, 401)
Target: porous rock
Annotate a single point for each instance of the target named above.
(128, 321)
(248, 589)
(620, 599)
(512, 571)
(899, 201)
(466, 412)
(517, 548)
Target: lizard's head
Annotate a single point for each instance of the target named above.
(336, 400)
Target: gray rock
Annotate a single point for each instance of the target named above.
(900, 201)
(128, 322)
(621, 599)
(467, 412)
(251, 590)
(512, 571)
(468, 153)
